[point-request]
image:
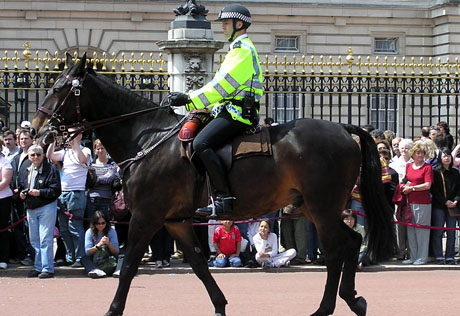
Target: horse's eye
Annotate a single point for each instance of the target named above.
(56, 90)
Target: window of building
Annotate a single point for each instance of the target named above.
(384, 112)
(285, 43)
(386, 45)
(285, 107)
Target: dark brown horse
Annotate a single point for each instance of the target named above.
(314, 166)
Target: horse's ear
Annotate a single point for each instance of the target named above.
(81, 65)
(69, 60)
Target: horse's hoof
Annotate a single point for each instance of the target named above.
(360, 306)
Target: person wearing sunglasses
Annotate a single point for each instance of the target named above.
(101, 248)
(40, 186)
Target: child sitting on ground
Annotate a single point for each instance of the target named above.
(350, 219)
(227, 242)
(266, 244)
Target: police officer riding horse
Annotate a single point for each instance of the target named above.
(233, 97)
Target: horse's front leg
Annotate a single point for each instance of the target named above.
(184, 234)
(141, 231)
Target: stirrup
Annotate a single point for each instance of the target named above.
(211, 210)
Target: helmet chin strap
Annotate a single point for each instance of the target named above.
(232, 37)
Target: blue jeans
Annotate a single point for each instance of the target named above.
(41, 228)
(97, 204)
(440, 216)
(222, 262)
(358, 206)
(72, 231)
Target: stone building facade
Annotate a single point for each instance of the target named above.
(400, 28)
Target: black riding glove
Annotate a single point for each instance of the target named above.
(178, 99)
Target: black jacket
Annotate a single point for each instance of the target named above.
(452, 181)
(48, 182)
(23, 168)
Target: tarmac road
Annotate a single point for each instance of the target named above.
(421, 292)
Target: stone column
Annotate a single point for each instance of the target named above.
(190, 48)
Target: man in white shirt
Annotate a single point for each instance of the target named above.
(73, 198)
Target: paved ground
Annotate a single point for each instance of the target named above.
(390, 289)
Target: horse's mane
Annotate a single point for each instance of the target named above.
(128, 98)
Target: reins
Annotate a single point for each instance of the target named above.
(141, 154)
(83, 126)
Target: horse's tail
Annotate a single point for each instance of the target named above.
(379, 215)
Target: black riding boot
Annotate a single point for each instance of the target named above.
(218, 177)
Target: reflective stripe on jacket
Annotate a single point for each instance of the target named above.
(240, 68)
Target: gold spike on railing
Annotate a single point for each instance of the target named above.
(15, 59)
(114, 62)
(6, 59)
(161, 61)
(104, 61)
(37, 60)
(57, 61)
(359, 64)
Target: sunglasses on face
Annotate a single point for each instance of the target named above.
(100, 223)
(35, 155)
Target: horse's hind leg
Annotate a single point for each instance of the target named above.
(141, 231)
(347, 284)
(184, 234)
(334, 239)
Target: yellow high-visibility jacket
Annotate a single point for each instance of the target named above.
(240, 67)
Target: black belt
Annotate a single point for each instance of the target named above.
(240, 103)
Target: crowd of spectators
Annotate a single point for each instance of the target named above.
(49, 185)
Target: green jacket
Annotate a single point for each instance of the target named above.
(240, 68)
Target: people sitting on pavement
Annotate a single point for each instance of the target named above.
(101, 248)
(227, 242)
(266, 244)
(350, 219)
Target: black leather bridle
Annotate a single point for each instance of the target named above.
(56, 121)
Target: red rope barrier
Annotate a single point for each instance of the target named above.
(73, 217)
(12, 225)
(413, 225)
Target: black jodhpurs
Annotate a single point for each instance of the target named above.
(217, 133)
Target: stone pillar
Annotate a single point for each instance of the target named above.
(190, 48)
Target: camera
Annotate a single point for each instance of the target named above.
(25, 191)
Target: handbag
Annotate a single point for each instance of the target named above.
(403, 212)
(104, 260)
(455, 211)
(91, 178)
(118, 206)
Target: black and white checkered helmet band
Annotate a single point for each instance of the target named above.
(234, 15)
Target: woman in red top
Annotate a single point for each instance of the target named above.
(419, 177)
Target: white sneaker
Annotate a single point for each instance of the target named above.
(116, 274)
(159, 264)
(408, 261)
(3, 265)
(96, 273)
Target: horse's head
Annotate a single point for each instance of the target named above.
(60, 109)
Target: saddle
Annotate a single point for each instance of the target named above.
(254, 142)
